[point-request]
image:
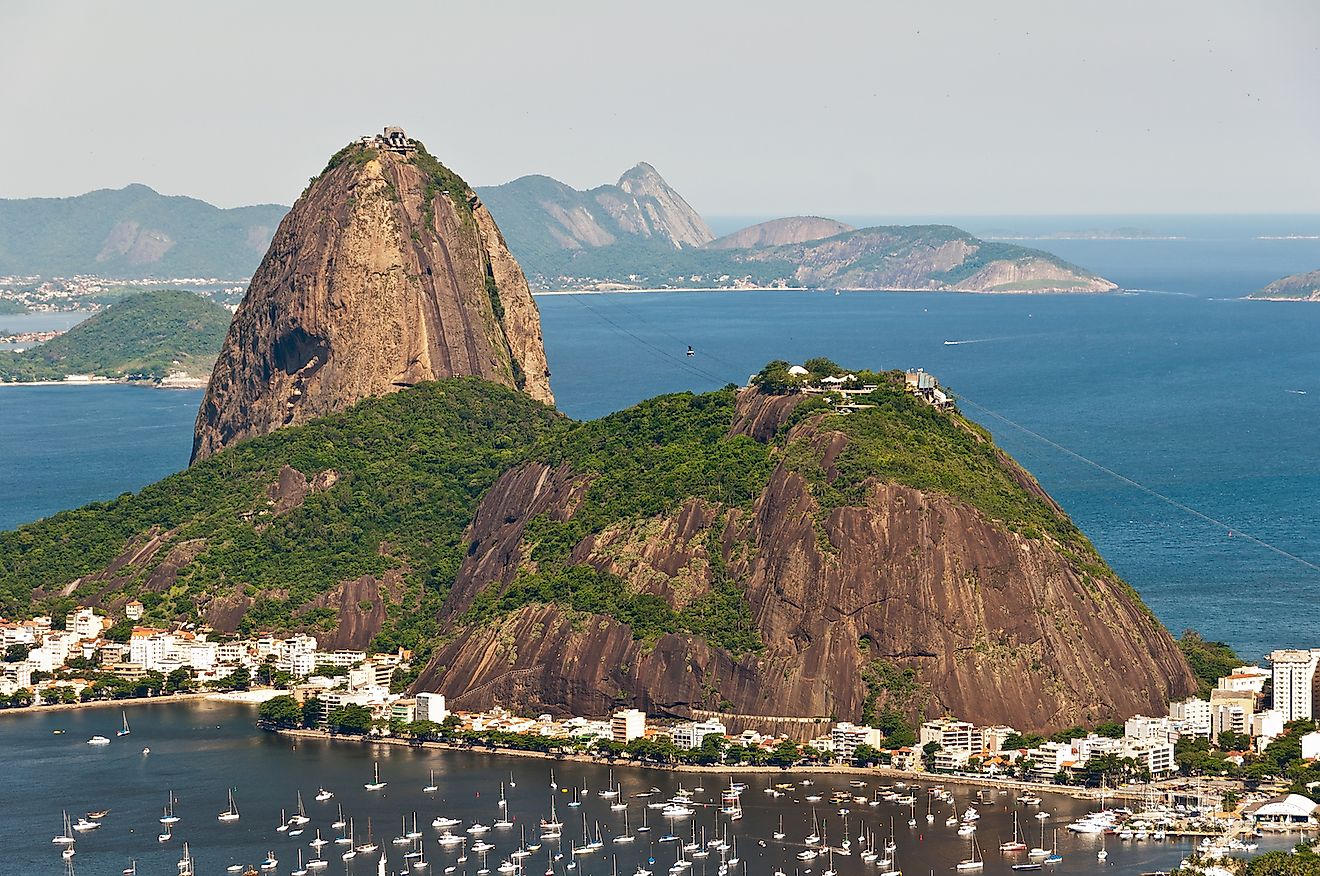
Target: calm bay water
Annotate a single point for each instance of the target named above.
(198, 750)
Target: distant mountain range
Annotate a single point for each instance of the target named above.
(131, 233)
(638, 233)
(642, 233)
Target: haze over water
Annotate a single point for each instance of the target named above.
(1210, 401)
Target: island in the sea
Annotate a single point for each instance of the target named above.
(1298, 287)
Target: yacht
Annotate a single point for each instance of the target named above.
(375, 784)
(98, 740)
(230, 814)
(323, 795)
(1016, 844)
(300, 817)
(973, 861)
(65, 838)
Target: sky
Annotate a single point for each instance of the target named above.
(756, 108)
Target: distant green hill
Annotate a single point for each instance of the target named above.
(149, 334)
(133, 232)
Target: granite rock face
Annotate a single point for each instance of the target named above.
(388, 271)
(999, 628)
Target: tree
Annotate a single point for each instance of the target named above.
(866, 755)
(266, 671)
(1016, 741)
(1284, 864)
(353, 719)
(928, 754)
(121, 632)
(17, 653)
(239, 679)
(180, 679)
(282, 712)
(1230, 741)
(786, 754)
(311, 712)
(21, 698)
(426, 731)
(1112, 729)
(1209, 660)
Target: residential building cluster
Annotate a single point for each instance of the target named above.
(46, 651)
(88, 292)
(1237, 702)
(952, 745)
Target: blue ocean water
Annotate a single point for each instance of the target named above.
(1210, 401)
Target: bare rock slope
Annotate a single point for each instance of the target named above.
(901, 598)
(388, 271)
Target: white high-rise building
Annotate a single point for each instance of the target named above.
(431, 707)
(690, 735)
(627, 725)
(1294, 682)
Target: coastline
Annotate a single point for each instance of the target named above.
(723, 769)
(105, 704)
(144, 384)
(537, 293)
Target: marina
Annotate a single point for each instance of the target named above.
(502, 814)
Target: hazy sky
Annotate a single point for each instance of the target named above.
(746, 108)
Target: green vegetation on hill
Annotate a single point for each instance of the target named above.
(142, 335)
(8, 307)
(1210, 661)
(412, 467)
(133, 232)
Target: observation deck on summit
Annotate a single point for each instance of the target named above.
(392, 138)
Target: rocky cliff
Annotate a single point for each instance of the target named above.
(388, 271)
(1298, 287)
(778, 232)
(863, 592)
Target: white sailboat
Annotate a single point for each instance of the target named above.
(973, 861)
(169, 817)
(230, 814)
(370, 845)
(186, 862)
(300, 870)
(1016, 844)
(375, 784)
(432, 787)
(300, 817)
(124, 731)
(66, 837)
